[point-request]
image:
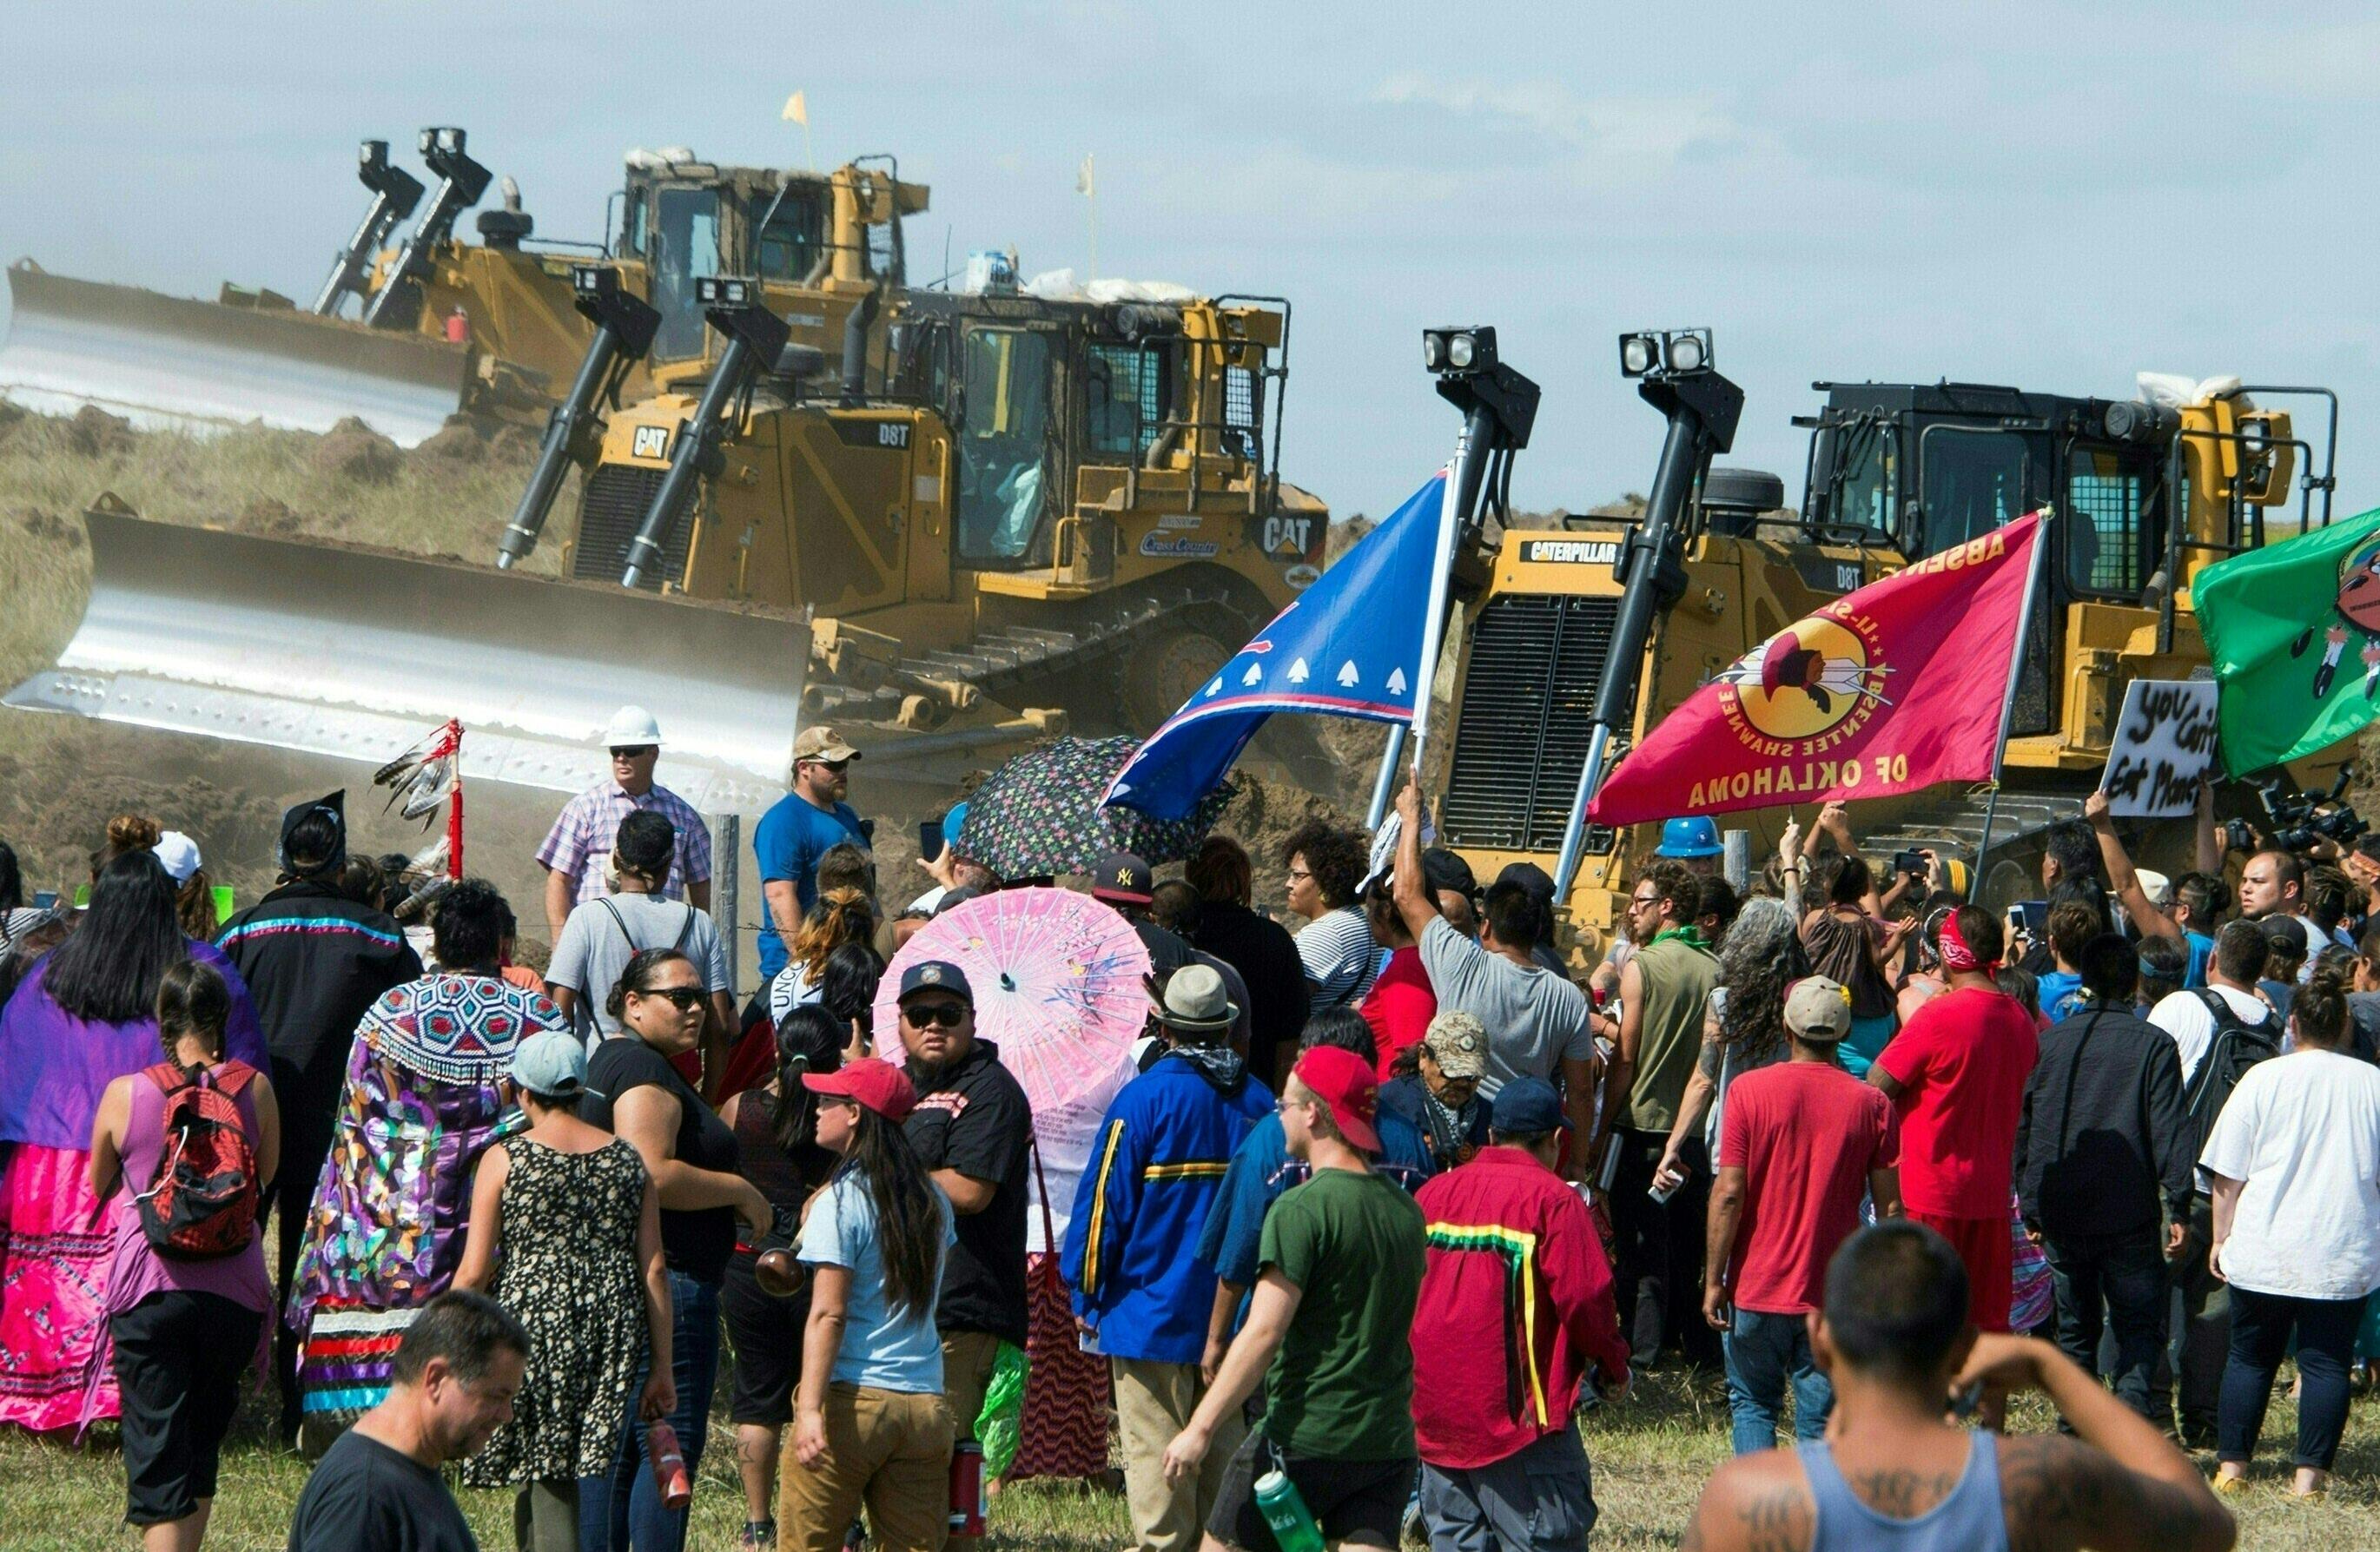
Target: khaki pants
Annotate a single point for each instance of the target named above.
(968, 1358)
(888, 1449)
(1153, 1402)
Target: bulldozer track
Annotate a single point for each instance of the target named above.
(1010, 661)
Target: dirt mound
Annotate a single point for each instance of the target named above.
(52, 822)
(460, 441)
(265, 514)
(352, 450)
(94, 433)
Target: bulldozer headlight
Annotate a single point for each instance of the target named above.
(446, 139)
(372, 156)
(1458, 350)
(594, 280)
(1670, 352)
(726, 291)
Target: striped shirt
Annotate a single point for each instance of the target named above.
(579, 844)
(1340, 957)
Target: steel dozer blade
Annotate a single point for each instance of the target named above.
(354, 652)
(178, 362)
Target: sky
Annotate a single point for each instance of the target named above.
(2052, 196)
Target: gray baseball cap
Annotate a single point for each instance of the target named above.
(1818, 1009)
(551, 1064)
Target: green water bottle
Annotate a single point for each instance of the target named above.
(1284, 1509)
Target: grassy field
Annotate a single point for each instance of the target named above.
(1650, 1457)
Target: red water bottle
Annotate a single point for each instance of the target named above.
(670, 1477)
(966, 1489)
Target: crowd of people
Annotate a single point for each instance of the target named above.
(1385, 1205)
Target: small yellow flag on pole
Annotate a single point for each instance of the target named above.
(798, 110)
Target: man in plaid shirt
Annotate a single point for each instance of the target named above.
(577, 851)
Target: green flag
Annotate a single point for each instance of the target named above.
(2293, 630)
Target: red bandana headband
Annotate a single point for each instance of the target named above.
(1956, 955)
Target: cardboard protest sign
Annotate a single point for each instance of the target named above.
(2164, 742)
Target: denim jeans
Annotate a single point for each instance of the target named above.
(2117, 1280)
(623, 1510)
(2261, 1325)
(1765, 1352)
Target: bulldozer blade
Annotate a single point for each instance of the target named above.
(354, 652)
(190, 365)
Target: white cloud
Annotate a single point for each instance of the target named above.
(1629, 135)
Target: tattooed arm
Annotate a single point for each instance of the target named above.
(1754, 1503)
(2116, 1486)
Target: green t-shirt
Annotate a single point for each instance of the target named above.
(1342, 1386)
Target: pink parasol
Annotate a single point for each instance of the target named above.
(1059, 987)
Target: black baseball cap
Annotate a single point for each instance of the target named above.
(936, 975)
(1442, 869)
(1122, 878)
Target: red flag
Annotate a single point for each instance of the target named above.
(1886, 690)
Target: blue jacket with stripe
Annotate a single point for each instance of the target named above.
(1157, 1165)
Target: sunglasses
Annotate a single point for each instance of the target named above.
(923, 1016)
(633, 751)
(835, 766)
(684, 999)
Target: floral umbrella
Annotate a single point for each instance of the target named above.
(1058, 983)
(1039, 814)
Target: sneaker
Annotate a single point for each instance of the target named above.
(1414, 1532)
(759, 1535)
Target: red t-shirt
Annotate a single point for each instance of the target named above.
(1399, 1006)
(1962, 1060)
(1805, 1135)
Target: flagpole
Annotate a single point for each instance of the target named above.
(2008, 698)
(1463, 477)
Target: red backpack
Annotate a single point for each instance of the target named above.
(202, 1203)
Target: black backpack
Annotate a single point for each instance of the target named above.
(2236, 1045)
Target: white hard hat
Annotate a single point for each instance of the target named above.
(632, 727)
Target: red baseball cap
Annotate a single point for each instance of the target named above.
(872, 1081)
(1345, 1085)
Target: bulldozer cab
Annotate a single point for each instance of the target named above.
(684, 221)
(1054, 407)
(2144, 494)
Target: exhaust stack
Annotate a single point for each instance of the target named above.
(395, 193)
(461, 182)
(624, 324)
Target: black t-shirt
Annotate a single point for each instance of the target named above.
(699, 1242)
(975, 1118)
(365, 1497)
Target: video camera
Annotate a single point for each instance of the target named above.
(2303, 819)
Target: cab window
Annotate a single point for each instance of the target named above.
(1970, 482)
(2109, 541)
(1869, 486)
(1002, 442)
(1127, 398)
(685, 245)
(794, 240)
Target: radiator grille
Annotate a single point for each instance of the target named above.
(1521, 735)
(611, 503)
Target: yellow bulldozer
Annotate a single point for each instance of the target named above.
(1577, 641)
(407, 330)
(996, 500)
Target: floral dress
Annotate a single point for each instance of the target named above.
(569, 1273)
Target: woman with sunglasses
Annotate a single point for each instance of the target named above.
(692, 1156)
(870, 1423)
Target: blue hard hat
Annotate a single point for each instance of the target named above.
(1690, 838)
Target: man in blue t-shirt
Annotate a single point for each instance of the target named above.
(794, 834)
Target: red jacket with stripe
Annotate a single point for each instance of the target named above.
(1516, 1300)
